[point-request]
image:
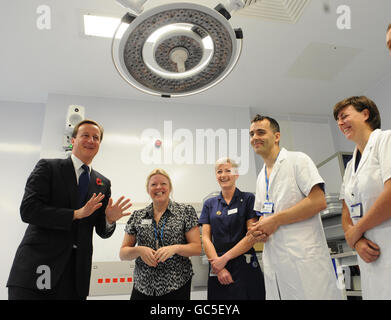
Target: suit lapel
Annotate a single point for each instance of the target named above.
(95, 185)
(92, 186)
(68, 173)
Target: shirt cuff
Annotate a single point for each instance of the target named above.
(109, 226)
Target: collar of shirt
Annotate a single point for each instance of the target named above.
(170, 209)
(237, 193)
(371, 142)
(77, 163)
(282, 155)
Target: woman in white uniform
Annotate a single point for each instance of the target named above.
(366, 193)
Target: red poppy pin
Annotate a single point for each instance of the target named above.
(99, 182)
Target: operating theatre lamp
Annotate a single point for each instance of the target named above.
(176, 49)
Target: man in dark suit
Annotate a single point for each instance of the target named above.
(64, 200)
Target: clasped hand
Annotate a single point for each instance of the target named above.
(218, 267)
(218, 263)
(263, 229)
(225, 277)
(366, 249)
(152, 257)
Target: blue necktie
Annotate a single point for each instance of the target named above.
(84, 180)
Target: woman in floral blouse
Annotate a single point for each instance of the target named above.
(166, 234)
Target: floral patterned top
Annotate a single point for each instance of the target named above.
(175, 222)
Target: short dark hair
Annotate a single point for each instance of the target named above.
(360, 103)
(273, 123)
(87, 121)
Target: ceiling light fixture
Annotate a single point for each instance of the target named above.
(177, 49)
(99, 26)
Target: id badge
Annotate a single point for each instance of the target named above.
(232, 211)
(268, 208)
(356, 211)
(146, 222)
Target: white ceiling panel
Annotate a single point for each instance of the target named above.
(284, 67)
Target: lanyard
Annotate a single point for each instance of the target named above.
(267, 185)
(161, 230)
(267, 180)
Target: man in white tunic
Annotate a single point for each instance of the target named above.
(289, 197)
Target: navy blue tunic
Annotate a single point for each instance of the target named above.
(228, 226)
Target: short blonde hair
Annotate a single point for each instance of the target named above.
(154, 172)
(224, 161)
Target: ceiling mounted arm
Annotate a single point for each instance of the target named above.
(137, 6)
(233, 5)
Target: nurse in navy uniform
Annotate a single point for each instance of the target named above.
(235, 273)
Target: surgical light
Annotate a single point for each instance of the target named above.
(176, 49)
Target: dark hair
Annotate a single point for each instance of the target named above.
(76, 129)
(273, 123)
(360, 103)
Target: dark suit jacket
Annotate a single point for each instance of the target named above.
(49, 201)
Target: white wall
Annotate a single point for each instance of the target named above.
(120, 154)
(20, 142)
(381, 95)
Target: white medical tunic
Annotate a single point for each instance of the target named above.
(364, 186)
(296, 259)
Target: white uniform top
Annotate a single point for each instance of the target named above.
(364, 186)
(296, 259)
